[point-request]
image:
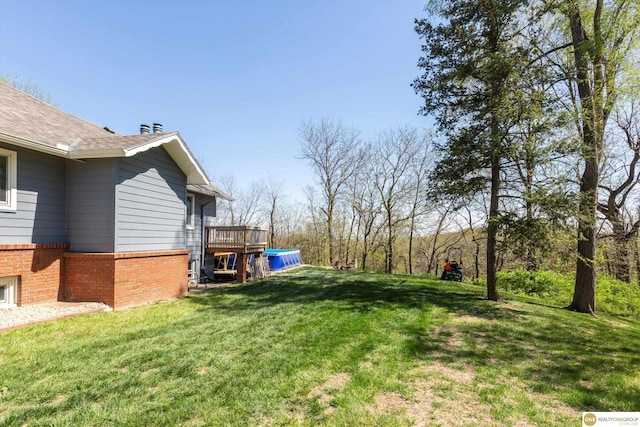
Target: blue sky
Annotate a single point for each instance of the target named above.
(235, 78)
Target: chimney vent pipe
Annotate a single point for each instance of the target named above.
(157, 128)
(144, 128)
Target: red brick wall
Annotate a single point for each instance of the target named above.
(126, 279)
(89, 277)
(39, 268)
(47, 273)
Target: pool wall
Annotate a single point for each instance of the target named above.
(281, 259)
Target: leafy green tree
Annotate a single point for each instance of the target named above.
(601, 35)
(470, 73)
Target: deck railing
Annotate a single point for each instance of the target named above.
(242, 239)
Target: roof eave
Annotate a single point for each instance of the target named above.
(173, 144)
(186, 161)
(213, 193)
(60, 150)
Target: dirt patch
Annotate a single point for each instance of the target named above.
(471, 319)
(451, 339)
(586, 384)
(203, 370)
(444, 372)
(58, 400)
(149, 372)
(153, 390)
(365, 365)
(296, 414)
(615, 323)
(426, 406)
(557, 407)
(325, 393)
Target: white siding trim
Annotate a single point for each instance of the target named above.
(11, 204)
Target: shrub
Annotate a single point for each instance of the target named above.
(618, 298)
(612, 296)
(542, 283)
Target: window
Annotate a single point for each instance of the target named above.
(8, 191)
(8, 287)
(190, 209)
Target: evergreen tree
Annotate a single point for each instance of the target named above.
(470, 73)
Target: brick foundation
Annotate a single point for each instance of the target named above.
(39, 270)
(126, 279)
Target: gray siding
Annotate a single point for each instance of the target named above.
(40, 214)
(150, 203)
(90, 205)
(194, 236)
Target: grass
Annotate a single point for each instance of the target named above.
(319, 347)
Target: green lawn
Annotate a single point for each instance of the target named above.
(321, 347)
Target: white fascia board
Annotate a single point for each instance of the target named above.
(60, 150)
(149, 145)
(180, 154)
(183, 157)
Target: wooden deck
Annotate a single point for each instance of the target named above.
(238, 239)
(242, 240)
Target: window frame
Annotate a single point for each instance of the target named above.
(190, 219)
(11, 204)
(11, 291)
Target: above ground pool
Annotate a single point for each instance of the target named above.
(280, 259)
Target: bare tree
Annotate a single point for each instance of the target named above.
(395, 152)
(333, 150)
(314, 232)
(273, 194)
(624, 226)
(367, 207)
(419, 170)
(29, 88)
(248, 204)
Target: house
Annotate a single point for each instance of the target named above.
(87, 214)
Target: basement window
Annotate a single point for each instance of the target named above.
(8, 181)
(8, 290)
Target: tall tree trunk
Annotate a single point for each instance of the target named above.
(492, 231)
(347, 259)
(390, 254)
(477, 259)
(330, 232)
(410, 257)
(492, 228)
(637, 258)
(584, 294)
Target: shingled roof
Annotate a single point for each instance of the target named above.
(31, 123)
(28, 118)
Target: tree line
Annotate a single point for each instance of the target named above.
(536, 150)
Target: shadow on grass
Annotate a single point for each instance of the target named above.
(585, 361)
(349, 291)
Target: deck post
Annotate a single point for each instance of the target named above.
(241, 268)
